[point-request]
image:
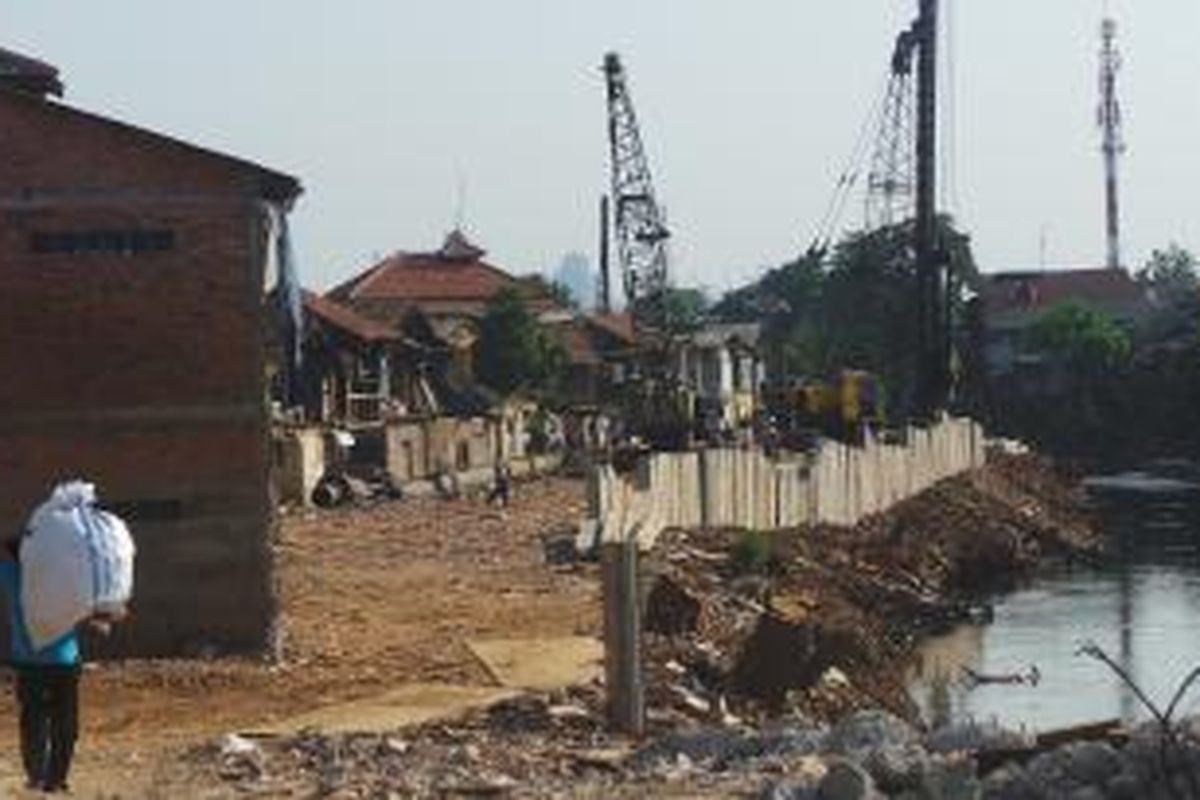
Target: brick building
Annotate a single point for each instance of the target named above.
(133, 339)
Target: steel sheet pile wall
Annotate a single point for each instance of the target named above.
(727, 488)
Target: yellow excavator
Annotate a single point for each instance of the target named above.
(838, 408)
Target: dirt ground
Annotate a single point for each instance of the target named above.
(384, 601)
(371, 599)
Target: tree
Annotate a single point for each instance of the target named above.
(854, 309)
(1170, 273)
(684, 308)
(869, 303)
(1083, 340)
(513, 352)
(1081, 400)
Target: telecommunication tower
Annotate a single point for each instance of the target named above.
(1109, 119)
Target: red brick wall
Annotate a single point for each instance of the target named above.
(143, 373)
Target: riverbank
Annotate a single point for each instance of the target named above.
(821, 621)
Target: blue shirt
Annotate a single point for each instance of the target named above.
(64, 652)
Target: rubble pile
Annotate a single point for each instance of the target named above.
(816, 620)
(552, 746)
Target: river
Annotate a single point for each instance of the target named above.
(1143, 611)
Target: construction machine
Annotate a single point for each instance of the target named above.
(842, 408)
(656, 407)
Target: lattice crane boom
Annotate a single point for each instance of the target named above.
(891, 182)
(639, 224)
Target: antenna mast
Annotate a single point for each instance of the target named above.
(1109, 119)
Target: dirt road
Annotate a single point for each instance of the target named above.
(372, 599)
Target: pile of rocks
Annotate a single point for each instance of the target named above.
(553, 747)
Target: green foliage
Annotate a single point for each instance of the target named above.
(1079, 337)
(856, 309)
(751, 552)
(684, 308)
(513, 352)
(1170, 273)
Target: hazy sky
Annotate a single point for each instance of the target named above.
(390, 111)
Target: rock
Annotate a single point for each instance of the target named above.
(897, 769)
(234, 745)
(240, 759)
(846, 780)
(950, 779)
(792, 740)
(1011, 782)
(790, 789)
(1086, 793)
(977, 737)
(703, 746)
(670, 609)
(1091, 763)
(397, 746)
(1125, 786)
(691, 700)
(1050, 772)
(834, 678)
(868, 730)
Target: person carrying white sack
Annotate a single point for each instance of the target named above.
(72, 566)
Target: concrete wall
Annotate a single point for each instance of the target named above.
(417, 449)
(730, 488)
(299, 463)
(407, 453)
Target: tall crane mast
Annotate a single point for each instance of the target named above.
(638, 221)
(933, 345)
(1109, 118)
(891, 183)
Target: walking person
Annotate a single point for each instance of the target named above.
(47, 686)
(501, 484)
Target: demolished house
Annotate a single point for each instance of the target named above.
(132, 344)
(722, 364)
(389, 360)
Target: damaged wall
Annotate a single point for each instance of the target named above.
(727, 488)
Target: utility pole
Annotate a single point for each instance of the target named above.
(603, 298)
(1114, 144)
(932, 342)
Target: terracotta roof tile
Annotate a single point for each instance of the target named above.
(456, 272)
(348, 320)
(619, 325)
(1024, 292)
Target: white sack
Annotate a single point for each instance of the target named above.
(76, 561)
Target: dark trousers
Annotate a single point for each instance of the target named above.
(499, 492)
(49, 699)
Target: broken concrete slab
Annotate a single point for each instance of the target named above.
(541, 664)
(409, 705)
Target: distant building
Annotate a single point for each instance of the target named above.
(133, 351)
(600, 350)
(449, 289)
(722, 365)
(574, 273)
(1012, 301)
(449, 285)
